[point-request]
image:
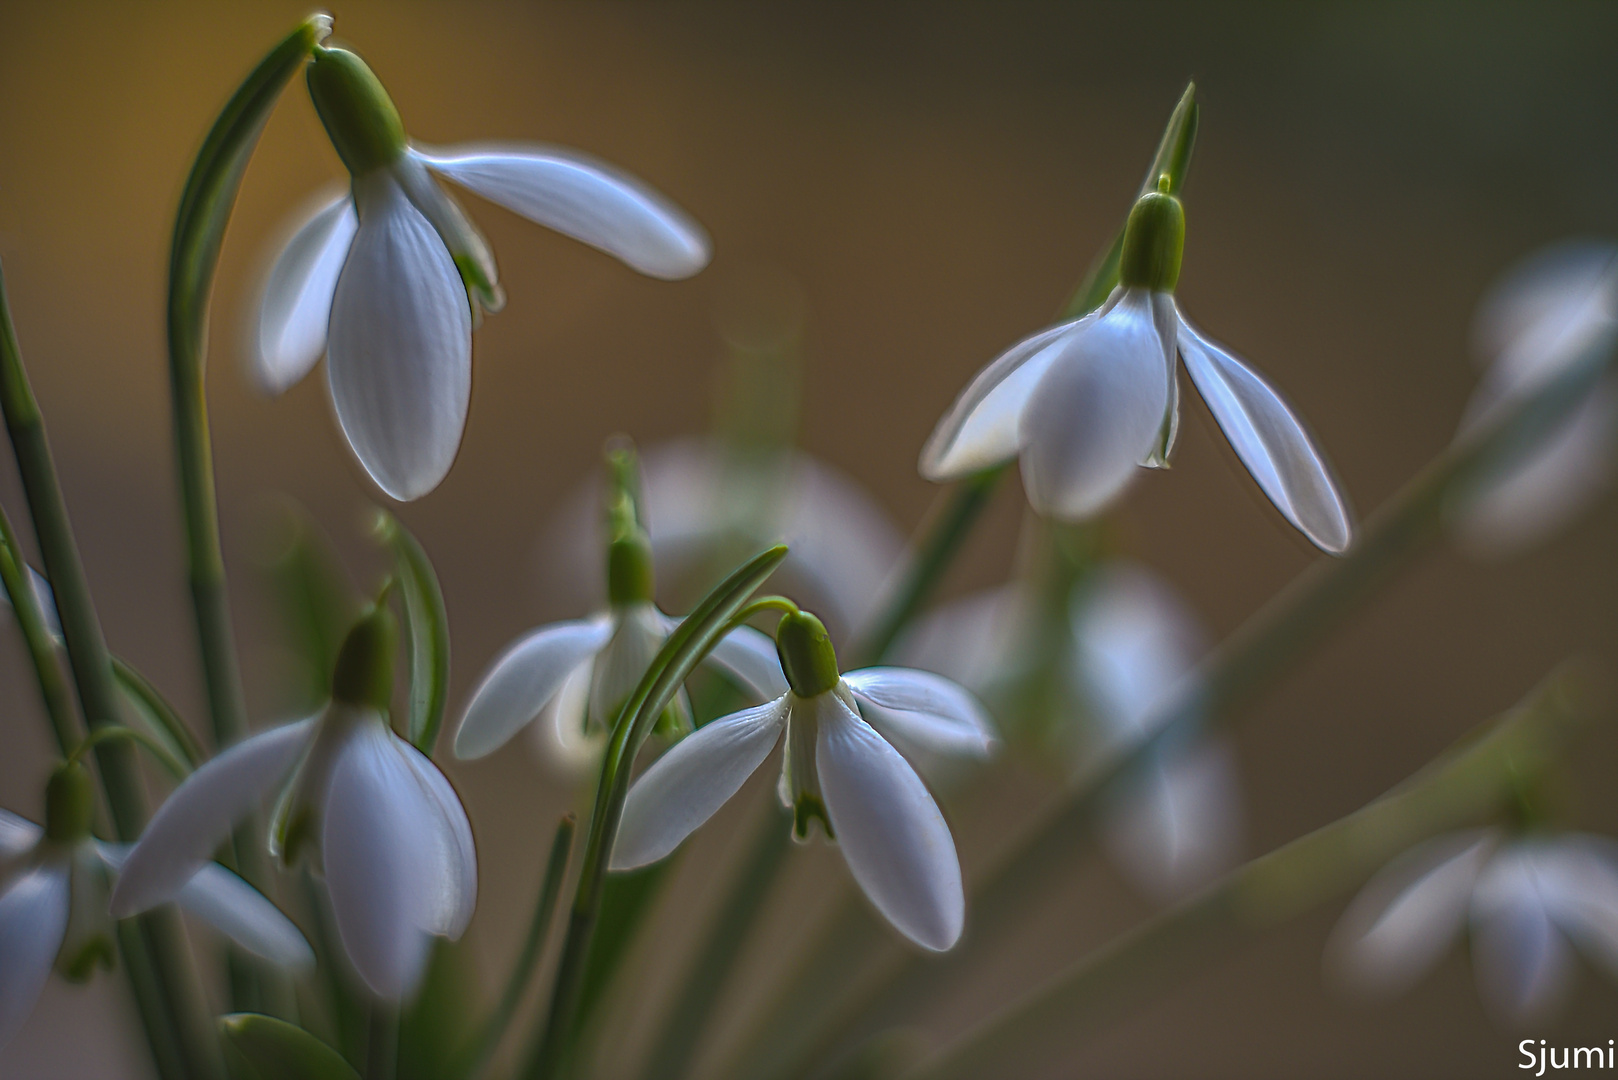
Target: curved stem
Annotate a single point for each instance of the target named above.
(99, 736)
(152, 702)
(41, 650)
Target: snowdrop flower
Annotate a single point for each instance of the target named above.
(838, 770)
(1084, 402)
(1549, 313)
(377, 817)
(388, 279)
(1525, 898)
(54, 883)
(574, 676)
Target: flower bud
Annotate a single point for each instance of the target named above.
(364, 674)
(1153, 241)
(806, 654)
(69, 804)
(359, 116)
(629, 568)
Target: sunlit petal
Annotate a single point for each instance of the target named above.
(33, 918)
(523, 680)
(292, 319)
(400, 356)
(687, 785)
(199, 815)
(890, 829)
(920, 711)
(582, 198)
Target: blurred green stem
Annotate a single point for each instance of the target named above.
(382, 1043)
(41, 651)
(1470, 782)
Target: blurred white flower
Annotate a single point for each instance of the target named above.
(388, 278)
(1084, 402)
(1551, 311)
(573, 676)
(1525, 898)
(836, 769)
(53, 910)
(378, 819)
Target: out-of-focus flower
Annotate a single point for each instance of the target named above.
(838, 770)
(54, 884)
(1084, 402)
(1554, 310)
(389, 278)
(1526, 898)
(381, 823)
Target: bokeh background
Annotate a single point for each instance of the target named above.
(935, 178)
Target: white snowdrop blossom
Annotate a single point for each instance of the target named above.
(388, 279)
(837, 769)
(1527, 899)
(375, 815)
(54, 885)
(1553, 311)
(1084, 402)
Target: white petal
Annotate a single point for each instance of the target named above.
(522, 680)
(980, 429)
(1179, 826)
(922, 712)
(750, 657)
(582, 198)
(891, 832)
(638, 633)
(1409, 913)
(201, 812)
(400, 357)
(234, 908)
(456, 883)
(1545, 311)
(565, 742)
(1098, 411)
(1270, 441)
(1134, 640)
(292, 317)
(385, 859)
(1523, 964)
(697, 776)
(1578, 882)
(17, 836)
(33, 918)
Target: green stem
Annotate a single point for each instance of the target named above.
(172, 765)
(532, 948)
(41, 650)
(1468, 783)
(382, 1042)
(137, 966)
(98, 695)
(1288, 626)
(152, 702)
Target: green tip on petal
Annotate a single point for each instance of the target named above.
(69, 803)
(1154, 240)
(359, 116)
(806, 654)
(364, 673)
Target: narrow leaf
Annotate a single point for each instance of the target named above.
(261, 1047)
(426, 625)
(1173, 157)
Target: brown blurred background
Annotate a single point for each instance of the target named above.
(936, 178)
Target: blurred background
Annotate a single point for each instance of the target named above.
(934, 179)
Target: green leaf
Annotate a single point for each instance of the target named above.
(261, 1047)
(313, 596)
(158, 717)
(210, 191)
(1173, 157)
(426, 625)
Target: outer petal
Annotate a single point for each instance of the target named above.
(456, 885)
(400, 357)
(17, 837)
(698, 775)
(980, 429)
(1578, 880)
(389, 868)
(1410, 913)
(1180, 826)
(1098, 411)
(292, 317)
(921, 711)
(234, 908)
(523, 679)
(33, 918)
(1134, 640)
(561, 735)
(1523, 964)
(891, 832)
(582, 198)
(185, 831)
(749, 656)
(1269, 440)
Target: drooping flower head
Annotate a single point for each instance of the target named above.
(389, 279)
(837, 769)
(54, 885)
(1083, 403)
(373, 815)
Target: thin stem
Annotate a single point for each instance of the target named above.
(101, 735)
(1468, 783)
(41, 650)
(685, 1023)
(155, 705)
(532, 948)
(761, 605)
